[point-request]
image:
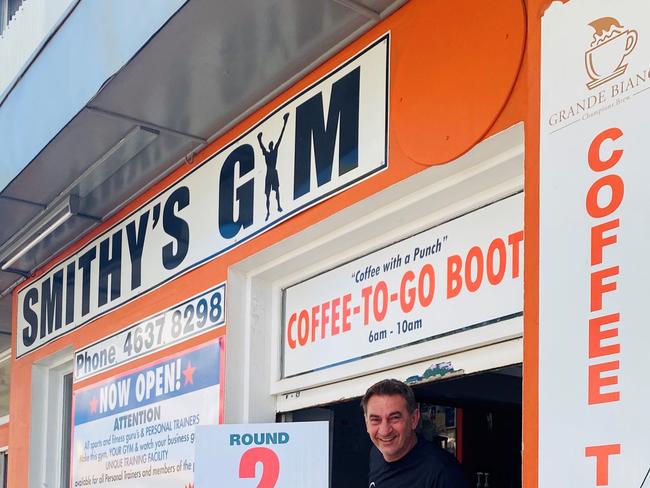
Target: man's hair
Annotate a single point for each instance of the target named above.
(390, 387)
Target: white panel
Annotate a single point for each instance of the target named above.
(594, 226)
(474, 361)
(461, 275)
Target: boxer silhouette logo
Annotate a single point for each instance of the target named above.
(272, 181)
(611, 45)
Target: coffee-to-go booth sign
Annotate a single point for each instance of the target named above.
(464, 274)
(326, 138)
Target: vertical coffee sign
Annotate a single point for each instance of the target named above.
(594, 224)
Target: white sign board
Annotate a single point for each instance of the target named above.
(328, 137)
(138, 429)
(192, 317)
(594, 227)
(285, 455)
(463, 274)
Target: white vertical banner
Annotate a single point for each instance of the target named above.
(594, 228)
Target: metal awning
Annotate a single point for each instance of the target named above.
(212, 64)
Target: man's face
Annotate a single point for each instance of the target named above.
(390, 426)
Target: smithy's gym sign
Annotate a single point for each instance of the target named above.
(330, 136)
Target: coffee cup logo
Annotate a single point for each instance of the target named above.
(611, 44)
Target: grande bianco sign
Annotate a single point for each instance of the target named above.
(328, 137)
(594, 226)
(464, 274)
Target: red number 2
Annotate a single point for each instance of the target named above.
(270, 466)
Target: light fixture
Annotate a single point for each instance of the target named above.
(39, 228)
(117, 156)
(57, 213)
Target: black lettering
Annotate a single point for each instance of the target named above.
(69, 293)
(343, 114)
(229, 226)
(84, 265)
(52, 304)
(110, 267)
(31, 331)
(136, 246)
(176, 227)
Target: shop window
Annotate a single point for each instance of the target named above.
(66, 421)
(5, 383)
(49, 445)
(5, 368)
(4, 462)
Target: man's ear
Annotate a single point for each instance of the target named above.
(415, 418)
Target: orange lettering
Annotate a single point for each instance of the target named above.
(325, 318)
(598, 288)
(346, 312)
(597, 335)
(597, 381)
(380, 301)
(365, 294)
(602, 453)
(314, 322)
(454, 281)
(335, 316)
(499, 247)
(427, 273)
(474, 253)
(303, 327)
(615, 183)
(599, 241)
(407, 296)
(515, 241)
(290, 337)
(595, 162)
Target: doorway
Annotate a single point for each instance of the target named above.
(476, 417)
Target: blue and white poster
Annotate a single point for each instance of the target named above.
(138, 428)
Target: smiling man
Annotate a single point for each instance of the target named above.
(399, 458)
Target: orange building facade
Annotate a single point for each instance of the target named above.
(444, 169)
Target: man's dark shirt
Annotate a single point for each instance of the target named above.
(424, 466)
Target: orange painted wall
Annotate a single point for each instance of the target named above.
(459, 73)
(531, 247)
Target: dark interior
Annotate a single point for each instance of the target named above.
(484, 410)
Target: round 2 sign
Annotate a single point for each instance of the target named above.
(282, 455)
